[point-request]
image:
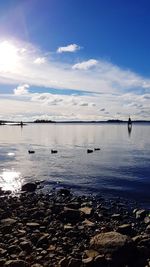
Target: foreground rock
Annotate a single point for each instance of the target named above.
(118, 247)
(60, 229)
(29, 187)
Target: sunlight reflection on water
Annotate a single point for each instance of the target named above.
(10, 180)
(11, 154)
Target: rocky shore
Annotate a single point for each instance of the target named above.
(60, 229)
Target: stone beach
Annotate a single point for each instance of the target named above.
(60, 229)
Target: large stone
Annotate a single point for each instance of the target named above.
(29, 187)
(119, 246)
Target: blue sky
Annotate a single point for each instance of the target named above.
(74, 59)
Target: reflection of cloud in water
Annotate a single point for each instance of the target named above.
(11, 154)
(10, 180)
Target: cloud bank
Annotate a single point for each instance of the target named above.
(103, 90)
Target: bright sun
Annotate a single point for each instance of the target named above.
(8, 56)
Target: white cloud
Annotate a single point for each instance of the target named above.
(109, 86)
(40, 60)
(68, 48)
(105, 77)
(21, 90)
(85, 65)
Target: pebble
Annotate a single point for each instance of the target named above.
(62, 229)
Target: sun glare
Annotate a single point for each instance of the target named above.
(10, 180)
(8, 56)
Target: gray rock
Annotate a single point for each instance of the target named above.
(36, 265)
(147, 220)
(140, 214)
(33, 225)
(29, 187)
(2, 262)
(119, 246)
(86, 210)
(2, 252)
(74, 263)
(43, 240)
(88, 262)
(91, 253)
(8, 222)
(64, 192)
(116, 216)
(64, 262)
(125, 229)
(26, 245)
(148, 229)
(100, 261)
(70, 215)
(16, 263)
(14, 249)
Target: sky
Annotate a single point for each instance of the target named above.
(74, 60)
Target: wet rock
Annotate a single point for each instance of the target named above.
(36, 265)
(91, 253)
(38, 214)
(116, 216)
(140, 214)
(86, 210)
(29, 187)
(16, 263)
(125, 229)
(32, 225)
(100, 261)
(43, 240)
(2, 252)
(148, 229)
(68, 226)
(74, 205)
(14, 249)
(65, 192)
(71, 215)
(147, 220)
(64, 262)
(26, 245)
(119, 246)
(145, 241)
(8, 222)
(88, 262)
(88, 223)
(2, 262)
(74, 263)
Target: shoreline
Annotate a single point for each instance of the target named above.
(66, 230)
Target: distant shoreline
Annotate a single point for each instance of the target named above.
(4, 122)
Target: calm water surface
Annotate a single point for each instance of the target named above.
(120, 168)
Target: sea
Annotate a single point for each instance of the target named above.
(119, 167)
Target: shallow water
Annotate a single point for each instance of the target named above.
(120, 168)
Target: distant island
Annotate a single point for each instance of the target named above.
(43, 121)
(5, 122)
